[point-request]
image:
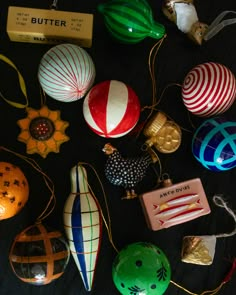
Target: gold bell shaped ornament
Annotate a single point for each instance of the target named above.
(164, 134)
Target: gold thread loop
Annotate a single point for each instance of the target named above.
(107, 224)
(49, 184)
(151, 64)
(209, 292)
(42, 96)
(153, 107)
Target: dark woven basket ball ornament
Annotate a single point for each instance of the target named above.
(39, 255)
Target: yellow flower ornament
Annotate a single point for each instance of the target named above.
(42, 131)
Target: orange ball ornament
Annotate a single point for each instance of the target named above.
(14, 190)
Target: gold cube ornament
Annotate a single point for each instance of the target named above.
(198, 249)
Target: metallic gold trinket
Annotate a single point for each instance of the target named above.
(198, 249)
(165, 135)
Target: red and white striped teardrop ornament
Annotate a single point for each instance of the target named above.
(209, 89)
(111, 109)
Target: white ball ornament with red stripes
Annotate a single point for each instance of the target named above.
(66, 72)
(209, 89)
(111, 108)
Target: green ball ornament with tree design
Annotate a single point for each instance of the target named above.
(141, 269)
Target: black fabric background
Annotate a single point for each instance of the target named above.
(127, 63)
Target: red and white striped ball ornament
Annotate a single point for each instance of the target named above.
(111, 108)
(209, 89)
(66, 72)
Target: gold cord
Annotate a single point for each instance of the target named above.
(43, 97)
(151, 65)
(209, 292)
(153, 107)
(161, 96)
(107, 224)
(49, 184)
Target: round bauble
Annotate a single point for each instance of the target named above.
(66, 72)
(14, 190)
(39, 255)
(209, 89)
(141, 268)
(214, 144)
(111, 108)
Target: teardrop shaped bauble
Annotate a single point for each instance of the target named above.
(130, 21)
(83, 225)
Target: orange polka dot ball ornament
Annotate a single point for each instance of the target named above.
(42, 131)
(39, 255)
(14, 190)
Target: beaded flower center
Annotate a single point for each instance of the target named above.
(41, 128)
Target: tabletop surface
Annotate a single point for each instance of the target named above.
(155, 70)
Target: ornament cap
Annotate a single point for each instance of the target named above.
(166, 181)
(155, 124)
(153, 155)
(157, 31)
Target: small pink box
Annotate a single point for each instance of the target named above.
(174, 204)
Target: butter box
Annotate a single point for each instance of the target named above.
(49, 26)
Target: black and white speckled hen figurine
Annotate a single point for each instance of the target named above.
(127, 172)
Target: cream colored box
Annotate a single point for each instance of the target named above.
(49, 26)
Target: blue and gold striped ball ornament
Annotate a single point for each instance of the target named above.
(214, 144)
(130, 21)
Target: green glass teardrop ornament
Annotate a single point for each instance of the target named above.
(141, 268)
(130, 21)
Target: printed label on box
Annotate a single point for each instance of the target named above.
(175, 204)
(49, 26)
